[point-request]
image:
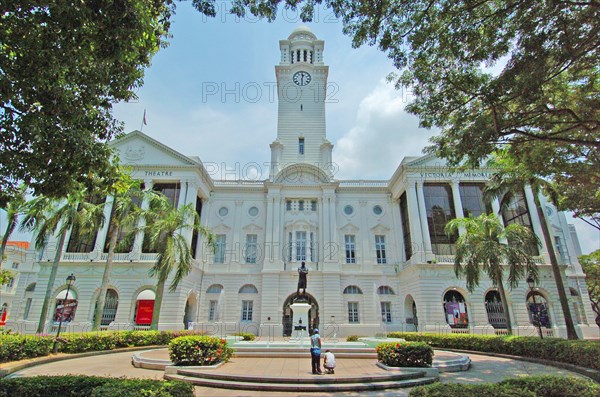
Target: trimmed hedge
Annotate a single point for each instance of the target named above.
(535, 386)
(352, 338)
(577, 352)
(247, 336)
(86, 386)
(405, 354)
(199, 350)
(19, 347)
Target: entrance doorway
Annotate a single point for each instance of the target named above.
(313, 314)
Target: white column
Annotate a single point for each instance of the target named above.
(270, 252)
(536, 222)
(332, 227)
(322, 235)
(423, 219)
(414, 221)
(102, 233)
(237, 232)
(458, 208)
(496, 211)
(139, 237)
(398, 246)
(326, 243)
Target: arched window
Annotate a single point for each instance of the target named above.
(352, 289)
(537, 307)
(109, 312)
(248, 289)
(30, 287)
(455, 309)
(385, 290)
(495, 310)
(215, 289)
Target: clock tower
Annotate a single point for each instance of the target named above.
(302, 89)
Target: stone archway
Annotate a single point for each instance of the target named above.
(313, 313)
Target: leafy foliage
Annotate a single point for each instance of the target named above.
(64, 64)
(591, 267)
(461, 390)
(246, 336)
(555, 386)
(14, 209)
(577, 352)
(6, 276)
(405, 354)
(199, 350)
(85, 386)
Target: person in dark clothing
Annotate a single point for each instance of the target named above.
(315, 352)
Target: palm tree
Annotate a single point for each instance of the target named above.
(48, 216)
(512, 178)
(127, 196)
(163, 227)
(15, 207)
(482, 247)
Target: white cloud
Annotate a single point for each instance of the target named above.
(383, 134)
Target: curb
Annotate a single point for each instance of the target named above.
(9, 368)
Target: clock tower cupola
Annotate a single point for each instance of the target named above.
(302, 89)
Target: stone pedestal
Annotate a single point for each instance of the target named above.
(300, 320)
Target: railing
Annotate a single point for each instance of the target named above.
(79, 256)
(148, 257)
(460, 330)
(500, 332)
(118, 257)
(363, 182)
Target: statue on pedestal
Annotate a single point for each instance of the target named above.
(302, 273)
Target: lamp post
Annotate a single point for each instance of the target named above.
(531, 283)
(70, 280)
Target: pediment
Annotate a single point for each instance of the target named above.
(302, 174)
(140, 149)
(349, 228)
(300, 224)
(429, 161)
(380, 228)
(221, 228)
(252, 228)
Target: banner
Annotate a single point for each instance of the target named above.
(145, 309)
(65, 309)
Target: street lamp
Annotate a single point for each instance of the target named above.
(531, 283)
(70, 280)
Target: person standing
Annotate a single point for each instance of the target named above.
(315, 352)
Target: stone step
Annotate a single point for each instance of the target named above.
(314, 379)
(304, 354)
(302, 387)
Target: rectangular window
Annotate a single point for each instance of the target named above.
(171, 192)
(440, 210)
(212, 311)
(288, 205)
(251, 248)
(10, 284)
(301, 145)
(80, 241)
(313, 253)
(220, 242)
(353, 312)
(27, 308)
(405, 227)
(313, 205)
(195, 232)
(290, 246)
(515, 210)
(247, 310)
(15, 265)
(301, 205)
(386, 312)
(471, 197)
(300, 246)
(350, 242)
(559, 248)
(380, 249)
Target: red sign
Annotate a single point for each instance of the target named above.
(65, 309)
(145, 309)
(3, 317)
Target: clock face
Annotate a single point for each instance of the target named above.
(301, 78)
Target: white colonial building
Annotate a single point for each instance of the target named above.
(378, 256)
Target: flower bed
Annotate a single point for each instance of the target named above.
(405, 354)
(199, 350)
(577, 352)
(92, 386)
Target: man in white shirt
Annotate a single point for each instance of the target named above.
(329, 362)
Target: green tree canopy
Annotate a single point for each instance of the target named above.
(591, 266)
(490, 74)
(63, 64)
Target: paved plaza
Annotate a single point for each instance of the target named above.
(483, 369)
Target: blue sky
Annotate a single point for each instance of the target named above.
(366, 122)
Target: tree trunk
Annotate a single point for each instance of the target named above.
(160, 290)
(105, 278)
(51, 279)
(562, 295)
(502, 293)
(5, 240)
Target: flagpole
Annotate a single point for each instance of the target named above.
(143, 121)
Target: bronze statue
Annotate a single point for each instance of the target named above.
(302, 272)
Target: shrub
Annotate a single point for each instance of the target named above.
(405, 354)
(86, 386)
(576, 352)
(462, 390)
(246, 336)
(555, 386)
(17, 347)
(199, 350)
(352, 338)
